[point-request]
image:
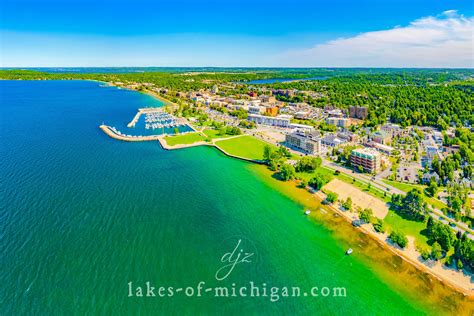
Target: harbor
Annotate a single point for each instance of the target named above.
(157, 118)
(149, 124)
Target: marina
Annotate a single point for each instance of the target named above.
(149, 124)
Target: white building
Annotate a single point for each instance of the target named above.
(280, 120)
(308, 141)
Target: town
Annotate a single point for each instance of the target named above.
(387, 157)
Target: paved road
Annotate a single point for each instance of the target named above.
(376, 183)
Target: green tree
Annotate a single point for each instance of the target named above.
(379, 226)
(436, 251)
(413, 205)
(347, 204)
(308, 164)
(366, 215)
(318, 181)
(287, 172)
(331, 197)
(432, 188)
(267, 153)
(398, 238)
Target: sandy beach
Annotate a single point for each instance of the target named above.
(456, 279)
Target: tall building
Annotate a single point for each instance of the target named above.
(308, 141)
(360, 112)
(368, 159)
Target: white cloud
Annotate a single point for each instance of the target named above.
(445, 40)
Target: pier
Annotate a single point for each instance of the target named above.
(114, 133)
(156, 118)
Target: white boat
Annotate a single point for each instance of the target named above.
(307, 212)
(349, 251)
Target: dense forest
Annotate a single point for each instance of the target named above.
(424, 97)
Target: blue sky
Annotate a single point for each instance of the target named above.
(237, 33)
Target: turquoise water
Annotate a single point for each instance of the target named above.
(83, 214)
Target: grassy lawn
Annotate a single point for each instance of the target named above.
(407, 227)
(407, 187)
(212, 133)
(187, 138)
(328, 173)
(403, 186)
(244, 146)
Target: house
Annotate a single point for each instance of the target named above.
(427, 177)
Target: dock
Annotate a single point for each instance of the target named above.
(114, 133)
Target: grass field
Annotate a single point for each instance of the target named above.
(407, 187)
(328, 173)
(212, 133)
(407, 227)
(245, 146)
(187, 138)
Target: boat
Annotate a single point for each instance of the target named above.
(349, 251)
(307, 212)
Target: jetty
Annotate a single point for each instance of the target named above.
(116, 134)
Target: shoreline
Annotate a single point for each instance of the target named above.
(409, 254)
(410, 277)
(460, 287)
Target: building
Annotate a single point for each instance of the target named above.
(331, 140)
(366, 158)
(359, 112)
(380, 137)
(271, 111)
(268, 98)
(280, 120)
(307, 141)
(383, 148)
(427, 177)
(335, 113)
(252, 94)
(438, 137)
(256, 109)
(302, 115)
(338, 121)
(391, 129)
(348, 136)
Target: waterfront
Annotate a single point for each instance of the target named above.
(85, 215)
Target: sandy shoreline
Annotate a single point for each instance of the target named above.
(457, 280)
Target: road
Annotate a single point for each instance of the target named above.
(375, 182)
